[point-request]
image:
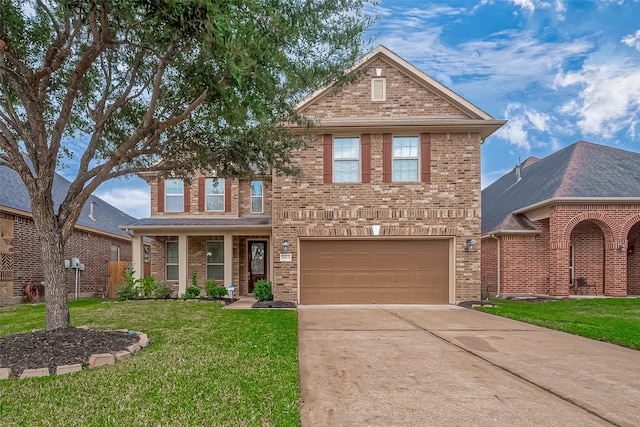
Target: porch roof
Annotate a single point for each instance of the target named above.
(193, 224)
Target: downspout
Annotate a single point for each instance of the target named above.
(497, 264)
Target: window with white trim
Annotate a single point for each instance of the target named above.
(215, 260)
(172, 260)
(346, 159)
(174, 195)
(214, 191)
(406, 152)
(256, 197)
(379, 89)
(115, 253)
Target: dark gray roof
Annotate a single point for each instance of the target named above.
(201, 222)
(581, 170)
(14, 195)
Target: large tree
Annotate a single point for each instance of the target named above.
(200, 84)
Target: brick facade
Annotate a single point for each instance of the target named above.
(602, 237)
(93, 249)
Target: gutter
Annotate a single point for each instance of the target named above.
(556, 200)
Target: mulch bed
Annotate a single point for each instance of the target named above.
(51, 349)
(274, 304)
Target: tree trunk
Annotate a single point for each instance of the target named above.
(52, 244)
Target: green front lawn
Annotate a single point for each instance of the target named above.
(206, 366)
(612, 320)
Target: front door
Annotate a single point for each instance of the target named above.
(257, 262)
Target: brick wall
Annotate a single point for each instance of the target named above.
(489, 262)
(596, 232)
(447, 206)
(94, 251)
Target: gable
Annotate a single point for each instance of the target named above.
(405, 96)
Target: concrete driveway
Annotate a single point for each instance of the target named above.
(450, 366)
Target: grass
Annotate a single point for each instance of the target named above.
(612, 320)
(206, 366)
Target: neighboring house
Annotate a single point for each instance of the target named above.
(95, 241)
(565, 224)
(387, 210)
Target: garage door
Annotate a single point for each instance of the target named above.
(374, 271)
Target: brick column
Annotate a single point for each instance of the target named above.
(615, 269)
(559, 252)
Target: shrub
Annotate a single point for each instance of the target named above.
(191, 292)
(148, 287)
(210, 286)
(163, 291)
(130, 289)
(262, 291)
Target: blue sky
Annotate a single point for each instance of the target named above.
(558, 70)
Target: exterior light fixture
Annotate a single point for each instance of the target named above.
(621, 247)
(469, 245)
(285, 246)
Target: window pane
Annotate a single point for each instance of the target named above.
(256, 204)
(215, 252)
(405, 146)
(172, 253)
(215, 272)
(346, 171)
(214, 186)
(215, 203)
(405, 170)
(256, 188)
(346, 148)
(173, 186)
(174, 204)
(172, 272)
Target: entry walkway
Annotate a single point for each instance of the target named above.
(450, 366)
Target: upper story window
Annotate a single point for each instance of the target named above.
(405, 158)
(257, 197)
(346, 159)
(379, 89)
(174, 195)
(214, 190)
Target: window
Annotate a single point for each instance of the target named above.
(405, 158)
(147, 254)
(215, 260)
(378, 89)
(214, 190)
(256, 197)
(172, 260)
(346, 159)
(115, 253)
(174, 195)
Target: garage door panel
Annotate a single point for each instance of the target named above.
(374, 271)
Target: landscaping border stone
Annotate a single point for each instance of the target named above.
(95, 360)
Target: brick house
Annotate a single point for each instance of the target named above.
(389, 197)
(565, 224)
(96, 241)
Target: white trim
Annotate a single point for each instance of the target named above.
(261, 196)
(383, 95)
(207, 194)
(575, 200)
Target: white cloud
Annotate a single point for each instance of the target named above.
(609, 100)
(525, 4)
(522, 126)
(632, 40)
(127, 198)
